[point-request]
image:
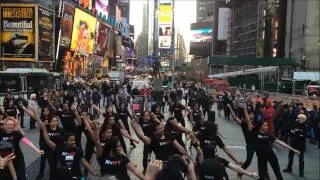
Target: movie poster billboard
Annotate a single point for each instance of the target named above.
(102, 8)
(102, 39)
(83, 33)
(88, 5)
(45, 21)
(18, 34)
(66, 25)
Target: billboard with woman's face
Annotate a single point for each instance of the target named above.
(83, 34)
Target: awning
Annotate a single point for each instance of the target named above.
(248, 71)
(303, 76)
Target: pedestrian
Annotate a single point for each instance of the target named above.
(34, 107)
(298, 135)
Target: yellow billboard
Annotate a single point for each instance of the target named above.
(18, 32)
(165, 13)
(83, 34)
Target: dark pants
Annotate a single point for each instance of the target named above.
(20, 167)
(52, 161)
(43, 157)
(301, 161)
(146, 151)
(250, 153)
(89, 150)
(263, 166)
(126, 125)
(32, 123)
(21, 118)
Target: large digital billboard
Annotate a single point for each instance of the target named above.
(102, 8)
(18, 34)
(201, 38)
(66, 24)
(83, 32)
(165, 25)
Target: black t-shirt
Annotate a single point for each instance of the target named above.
(248, 135)
(124, 114)
(162, 148)
(196, 115)
(298, 136)
(116, 165)
(9, 143)
(209, 144)
(11, 111)
(177, 110)
(176, 134)
(147, 127)
(56, 136)
(67, 121)
(69, 160)
(220, 98)
(199, 127)
(263, 144)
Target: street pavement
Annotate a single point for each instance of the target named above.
(234, 140)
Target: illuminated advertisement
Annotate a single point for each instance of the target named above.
(201, 35)
(102, 8)
(45, 34)
(102, 39)
(201, 38)
(66, 25)
(83, 32)
(165, 13)
(88, 5)
(165, 25)
(18, 32)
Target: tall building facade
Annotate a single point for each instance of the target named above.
(303, 33)
(258, 28)
(205, 10)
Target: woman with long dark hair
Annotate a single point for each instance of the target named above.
(263, 146)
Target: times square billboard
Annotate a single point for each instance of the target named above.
(201, 38)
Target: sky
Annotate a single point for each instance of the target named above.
(185, 14)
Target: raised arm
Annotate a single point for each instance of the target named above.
(139, 132)
(234, 117)
(247, 119)
(175, 124)
(95, 107)
(28, 111)
(125, 134)
(180, 148)
(154, 119)
(78, 117)
(46, 138)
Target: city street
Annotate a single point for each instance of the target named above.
(234, 140)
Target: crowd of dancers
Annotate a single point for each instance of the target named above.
(105, 114)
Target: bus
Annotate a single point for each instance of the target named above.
(26, 80)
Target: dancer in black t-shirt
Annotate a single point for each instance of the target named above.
(263, 146)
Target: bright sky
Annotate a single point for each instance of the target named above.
(185, 14)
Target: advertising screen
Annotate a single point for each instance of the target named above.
(88, 5)
(202, 35)
(45, 34)
(102, 39)
(201, 38)
(83, 32)
(165, 13)
(18, 32)
(66, 25)
(102, 8)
